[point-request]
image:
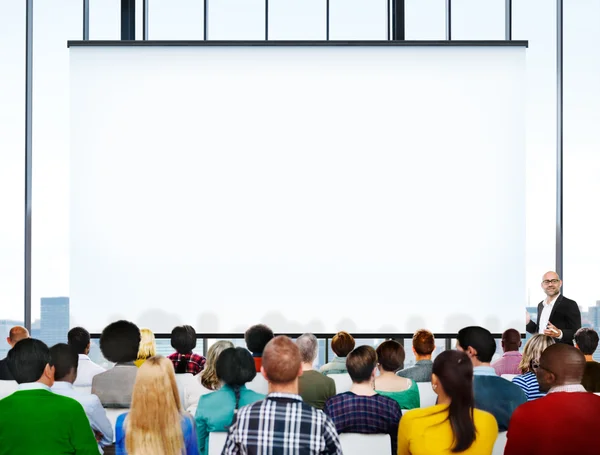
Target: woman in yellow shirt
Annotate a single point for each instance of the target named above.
(453, 425)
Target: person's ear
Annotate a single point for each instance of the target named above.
(374, 373)
(414, 351)
(9, 342)
(435, 383)
(263, 372)
(300, 371)
(471, 352)
(87, 348)
(49, 371)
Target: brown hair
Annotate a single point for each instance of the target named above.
(390, 355)
(423, 342)
(281, 360)
(342, 344)
(360, 363)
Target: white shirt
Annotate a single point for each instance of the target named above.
(33, 386)
(545, 316)
(86, 371)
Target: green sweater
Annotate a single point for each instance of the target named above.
(38, 422)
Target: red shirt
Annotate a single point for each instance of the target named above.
(258, 363)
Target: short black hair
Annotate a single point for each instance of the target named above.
(183, 339)
(360, 363)
(28, 359)
(479, 339)
(64, 358)
(257, 338)
(120, 342)
(236, 367)
(586, 340)
(79, 339)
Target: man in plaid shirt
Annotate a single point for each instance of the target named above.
(183, 340)
(282, 424)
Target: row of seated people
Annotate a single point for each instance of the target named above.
(473, 403)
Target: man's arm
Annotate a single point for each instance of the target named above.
(331, 440)
(99, 422)
(519, 436)
(81, 434)
(231, 446)
(572, 321)
(530, 326)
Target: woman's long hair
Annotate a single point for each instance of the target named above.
(153, 425)
(455, 373)
(147, 344)
(533, 350)
(209, 378)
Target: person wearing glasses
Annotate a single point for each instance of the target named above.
(557, 316)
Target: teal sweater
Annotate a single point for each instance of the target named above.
(39, 422)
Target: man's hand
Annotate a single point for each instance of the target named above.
(552, 331)
(527, 317)
(98, 435)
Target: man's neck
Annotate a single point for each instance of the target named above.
(589, 358)
(289, 387)
(307, 366)
(477, 363)
(363, 389)
(550, 299)
(506, 351)
(422, 357)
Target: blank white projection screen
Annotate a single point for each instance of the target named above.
(312, 188)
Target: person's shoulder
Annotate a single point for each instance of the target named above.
(485, 421)
(406, 372)
(568, 301)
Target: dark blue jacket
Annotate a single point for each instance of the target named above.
(498, 397)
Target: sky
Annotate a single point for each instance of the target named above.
(533, 20)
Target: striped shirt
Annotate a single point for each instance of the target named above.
(282, 424)
(528, 382)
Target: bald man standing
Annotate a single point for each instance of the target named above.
(565, 421)
(16, 334)
(557, 316)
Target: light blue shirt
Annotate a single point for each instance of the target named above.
(33, 386)
(484, 371)
(92, 407)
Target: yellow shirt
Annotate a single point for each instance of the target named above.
(426, 432)
(138, 363)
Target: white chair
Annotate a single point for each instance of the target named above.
(184, 380)
(500, 444)
(343, 382)
(259, 384)
(216, 442)
(426, 394)
(509, 377)
(7, 388)
(360, 444)
(113, 414)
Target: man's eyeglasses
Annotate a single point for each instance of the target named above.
(547, 282)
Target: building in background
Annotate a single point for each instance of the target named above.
(54, 324)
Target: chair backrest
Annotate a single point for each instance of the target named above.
(216, 442)
(183, 380)
(113, 414)
(509, 377)
(500, 444)
(343, 382)
(360, 444)
(7, 388)
(259, 384)
(426, 394)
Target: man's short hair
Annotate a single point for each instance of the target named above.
(423, 342)
(360, 363)
(281, 360)
(479, 339)
(390, 355)
(18, 333)
(586, 340)
(342, 344)
(120, 342)
(309, 346)
(183, 339)
(79, 339)
(235, 367)
(27, 360)
(257, 338)
(64, 359)
(511, 339)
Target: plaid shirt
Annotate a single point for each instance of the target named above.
(361, 414)
(194, 362)
(282, 424)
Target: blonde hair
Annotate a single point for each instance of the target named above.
(153, 425)
(533, 350)
(209, 378)
(147, 344)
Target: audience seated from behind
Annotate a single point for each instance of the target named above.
(531, 357)
(586, 340)
(257, 338)
(16, 333)
(423, 347)
(147, 347)
(314, 388)
(492, 393)
(156, 423)
(79, 340)
(185, 360)
(34, 420)
(342, 344)
(119, 343)
(282, 423)
(362, 410)
(404, 391)
(452, 425)
(65, 361)
(510, 360)
(216, 411)
(565, 421)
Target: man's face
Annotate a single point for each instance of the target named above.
(545, 378)
(551, 284)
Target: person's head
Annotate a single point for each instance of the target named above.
(209, 377)
(342, 344)
(586, 340)
(478, 343)
(423, 343)
(183, 339)
(309, 347)
(147, 344)
(560, 364)
(257, 338)
(390, 356)
(452, 379)
(79, 340)
(29, 361)
(362, 364)
(511, 340)
(281, 362)
(153, 425)
(235, 367)
(533, 351)
(16, 334)
(551, 284)
(120, 341)
(65, 361)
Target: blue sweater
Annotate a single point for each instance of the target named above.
(498, 397)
